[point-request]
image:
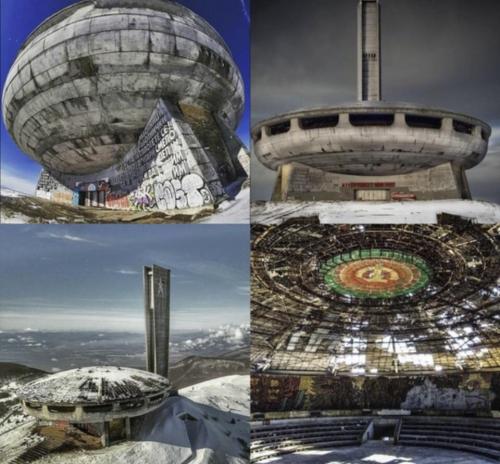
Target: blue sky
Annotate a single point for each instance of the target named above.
(89, 277)
(19, 18)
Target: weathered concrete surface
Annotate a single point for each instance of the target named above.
(157, 317)
(78, 395)
(169, 168)
(87, 79)
(367, 212)
(371, 138)
(369, 66)
(370, 148)
(299, 182)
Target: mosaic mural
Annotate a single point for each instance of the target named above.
(375, 273)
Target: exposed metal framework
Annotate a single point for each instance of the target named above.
(301, 323)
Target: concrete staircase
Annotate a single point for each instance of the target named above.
(293, 435)
(481, 436)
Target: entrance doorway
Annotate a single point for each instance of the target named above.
(384, 432)
(372, 195)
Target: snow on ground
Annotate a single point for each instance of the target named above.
(206, 424)
(17, 218)
(16, 436)
(236, 211)
(379, 452)
(225, 393)
(7, 192)
(363, 212)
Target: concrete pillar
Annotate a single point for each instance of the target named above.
(344, 120)
(447, 125)
(369, 62)
(128, 433)
(105, 434)
(399, 120)
(294, 124)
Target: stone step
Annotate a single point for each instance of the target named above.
(284, 441)
(256, 457)
(460, 446)
(451, 439)
(256, 433)
(472, 433)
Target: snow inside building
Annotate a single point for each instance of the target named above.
(361, 332)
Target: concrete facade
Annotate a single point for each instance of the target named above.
(86, 82)
(167, 169)
(371, 150)
(300, 182)
(157, 315)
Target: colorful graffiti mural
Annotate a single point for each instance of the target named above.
(167, 169)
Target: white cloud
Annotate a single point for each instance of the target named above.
(12, 180)
(126, 272)
(68, 237)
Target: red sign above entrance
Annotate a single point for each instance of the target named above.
(354, 185)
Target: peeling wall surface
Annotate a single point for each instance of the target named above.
(454, 393)
(168, 169)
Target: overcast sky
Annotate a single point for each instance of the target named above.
(441, 53)
(18, 18)
(89, 277)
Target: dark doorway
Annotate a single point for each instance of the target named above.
(81, 198)
(384, 432)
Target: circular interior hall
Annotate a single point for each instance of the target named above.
(375, 343)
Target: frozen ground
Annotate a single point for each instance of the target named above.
(205, 424)
(17, 208)
(7, 192)
(236, 211)
(364, 212)
(379, 452)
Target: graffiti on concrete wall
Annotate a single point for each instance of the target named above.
(167, 169)
(117, 201)
(169, 182)
(430, 396)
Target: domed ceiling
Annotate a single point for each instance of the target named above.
(375, 299)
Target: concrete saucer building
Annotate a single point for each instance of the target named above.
(375, 337)
(372, 149)
(101, 400)
(104, 401)
(128, 104)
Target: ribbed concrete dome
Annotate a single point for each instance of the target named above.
(91, 385)
(371, 138)
(87, 79)
(94, 394)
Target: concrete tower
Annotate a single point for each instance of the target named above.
(369, 82)
(371, 149)
(157, 312)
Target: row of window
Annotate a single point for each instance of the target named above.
(133, 404)
(370, 119)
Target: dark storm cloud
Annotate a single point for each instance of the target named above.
(439, 53)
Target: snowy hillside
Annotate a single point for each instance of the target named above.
(205, 424)
(235, 211)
